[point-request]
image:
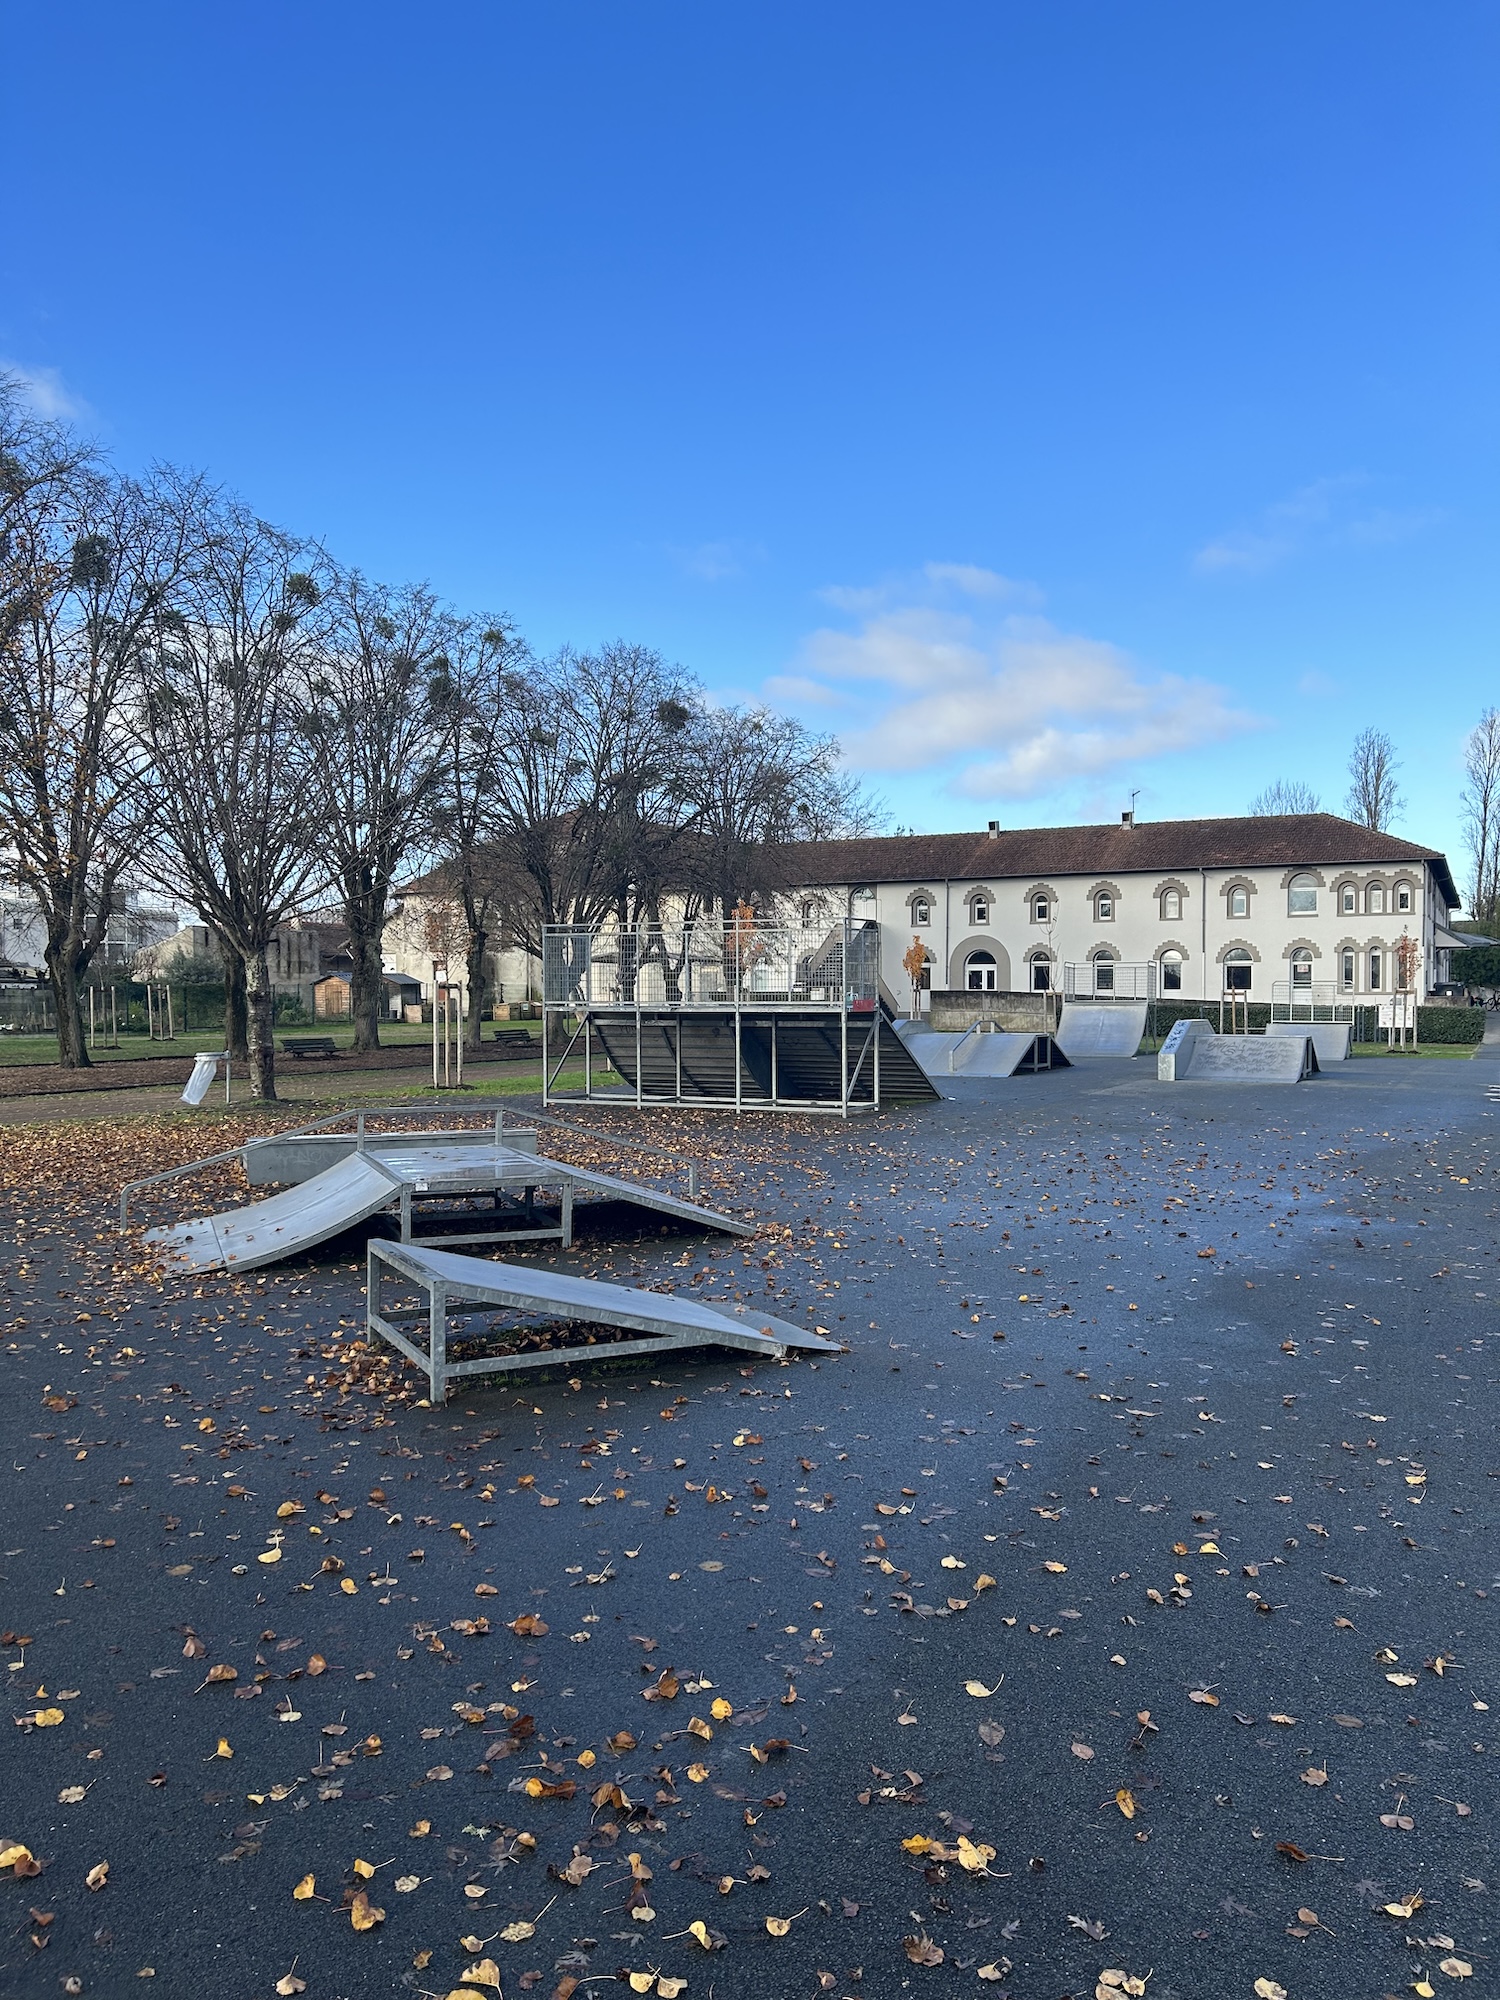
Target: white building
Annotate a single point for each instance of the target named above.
(1296, 905)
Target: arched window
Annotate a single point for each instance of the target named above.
(1171, 905)
(1239, 902)
(1104, 972)
(1302, 965)
(1346, 971)
(1375, 900)
(979, 910)
(1374, 971)
(1171, 970)
(979, 972)
(1403, 896)
(1041, 909)
(1237, 968)
(921, 911)
(1302, 896)
(1349, 899)
(1104, 907)
(1041, 974)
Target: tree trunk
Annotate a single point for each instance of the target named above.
(64, 965)
(366, 985)
(236, 1022)
(476, 955)
(260, 1025)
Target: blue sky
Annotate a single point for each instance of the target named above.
(1054, 401)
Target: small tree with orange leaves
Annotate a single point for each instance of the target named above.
(915, 965)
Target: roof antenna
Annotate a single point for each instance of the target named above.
(1128, 818)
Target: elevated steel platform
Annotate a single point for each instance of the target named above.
(741, 1017)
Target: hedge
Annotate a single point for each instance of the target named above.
(1451, 1024)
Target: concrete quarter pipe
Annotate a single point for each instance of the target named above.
(1106, 1028)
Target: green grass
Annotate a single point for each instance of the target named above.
(16, 1050)
(1462, 1051)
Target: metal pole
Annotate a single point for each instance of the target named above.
(546, 1058)
(460, 1038)
(171, 1028)
(434, 1024)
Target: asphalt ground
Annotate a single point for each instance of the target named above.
(1225, 1714)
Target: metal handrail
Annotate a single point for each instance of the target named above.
(974, 1028)
(615, 1139)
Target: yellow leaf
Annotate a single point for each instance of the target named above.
(1456, 1968)
(587, 1760)
(288, 1510)
(1404, 1906)
(349, 1587)
(1203, 1697)
(12, 1851)
(485, 1972)
(974, 1856)
(979, 1690)
(406, 1883)
(699, 1930)
(47, 1718)
(470, 1993)
(778, 1926)
(1425, 1988)
(1056, 1569)
(222, 1672)
(722, 1709)
(518, 1933)
(697, 1773)
(98, 1875)
(1209, 1549)
(363, 1914)
(305, 1890)
(420, 1831)
(640, 1982)
(1267, 1989)
(269, 1556)
(365, 1870)
(670, 1987)
(316, 1665)
(223, 1749)
(698, 1727)
(984, 1582)
(917, 1843)
(1125, 1800)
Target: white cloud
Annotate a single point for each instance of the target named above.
(1013, 707)
(714, 562)
(1316, 515)
(44, 392)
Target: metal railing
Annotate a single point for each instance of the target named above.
(712, 965)
(1311, 1000)
(1109, 979)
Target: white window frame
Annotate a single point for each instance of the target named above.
(1104, 908)
(1171, 906)
(1239, 902)
(1041, 909)
(1404, 899)
(1375, 900)
(979, 910)
(921, 911)
(1171, 963)
(1376, 969)
(1349, 900)
(1304, 887)
(1347, 970)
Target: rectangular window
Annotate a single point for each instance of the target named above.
(981, 913)
(1171, 975)
(1041, 978)
(1104, 975)
(1039, 910)
(1374, 971)
(1347, 972)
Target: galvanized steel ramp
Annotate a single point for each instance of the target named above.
(396, 1175)
(1329, 1038)
(946, 1056)
(454, 1285)
(1193, 1053)
(1104, 1028)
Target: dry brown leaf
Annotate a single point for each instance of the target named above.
(1125, 1800)
(979, 1690)
(289, 1984)
(98, 1875)
(921, 1950)
(363, 1914)
(1204, 1698)
(222, 1672)
(1404, 1906)
(1083, 1751)
(1314, 1775)
(1267, 1989)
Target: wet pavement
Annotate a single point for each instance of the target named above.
(1155, 1637)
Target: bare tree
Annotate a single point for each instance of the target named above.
(87, 562)
(1285, 795)
(221, 718)
(478, 690)
(379, 740)
(1480, 803)
(1372, 797)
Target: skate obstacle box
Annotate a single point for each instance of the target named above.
(478, 1185)
(1329, 1038)
(980, 1050)
(449, 1287)
(1193, 1053)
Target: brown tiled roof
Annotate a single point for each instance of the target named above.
(1280, 840)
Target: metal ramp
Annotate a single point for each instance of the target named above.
(412, 1174)
(1105, 1028)
(1193, 1053)
(455, 1286)
(1329, 1038)
(946, 1056)
(757, 1061)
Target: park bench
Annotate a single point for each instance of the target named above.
(514, 1042)
(299, 1046)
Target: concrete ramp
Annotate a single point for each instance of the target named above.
(946, 1056)
(1329, 1038)
(460, 1285)
(1193, 1053)
(1100, 1028)
(284, 1224)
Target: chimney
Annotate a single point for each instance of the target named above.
(994, 829)
(1127, 818)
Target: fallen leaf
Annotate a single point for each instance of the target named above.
(979, 1690)
(404, 1884)
(1125, 1800)
(1082, 1750)
(1313, 1775)
(722, 1709)
(1205, 1699)
(363, 1914)
(973, 1856)
(365, 1870)
(779, 1926)
(71, 1794)
(920, 1949)
(289, 1983)
(1267, 1989)
(1055, 1568)
(1456, 1968)
(1404, 1906)
(98, 1875)
(305, 1890)
(485, 1972)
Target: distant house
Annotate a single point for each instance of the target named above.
(333, 996)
